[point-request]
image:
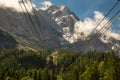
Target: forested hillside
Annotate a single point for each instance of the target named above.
(28, 65)
(7, 41)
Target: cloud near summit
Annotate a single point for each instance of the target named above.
(45, 5)
(87, 25)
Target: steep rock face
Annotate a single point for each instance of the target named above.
(7, 41)
(63, 16)
(45, 35)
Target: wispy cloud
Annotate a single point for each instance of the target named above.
(14, 4)
(45, 5)
(88, 24)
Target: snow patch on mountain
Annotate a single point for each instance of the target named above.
(65, 18)
(62, 8)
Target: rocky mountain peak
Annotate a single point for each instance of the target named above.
(63, 16)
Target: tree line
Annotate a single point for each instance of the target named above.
(29, 65)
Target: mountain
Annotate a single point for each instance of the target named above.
(56, 28)
(66, 20)
(17, 24)
(63, 16)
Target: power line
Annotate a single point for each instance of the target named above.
(108, 27)
(105, 30)
(33, 25)
(103, 18)
(27, 18)
(107, 23)
(38, 23)
(106, 15)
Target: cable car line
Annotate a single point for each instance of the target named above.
(105, 30)
(30, 18)
(103, 19)
(27, 17)
(116, 14)
(42, 33)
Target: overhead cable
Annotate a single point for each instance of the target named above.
(103, 18)
(33, 25)
(27, 17)
(109, 22)
(37, 19)
(113, 21)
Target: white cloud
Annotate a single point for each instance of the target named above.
(83, 28)
(88, 24)
(46, 5)
(14, 4)
(98, 16)
(112, 34)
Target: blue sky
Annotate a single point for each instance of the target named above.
(85, 8)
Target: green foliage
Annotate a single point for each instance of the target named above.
(27, 78)
(65, 58)
(28, 65)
